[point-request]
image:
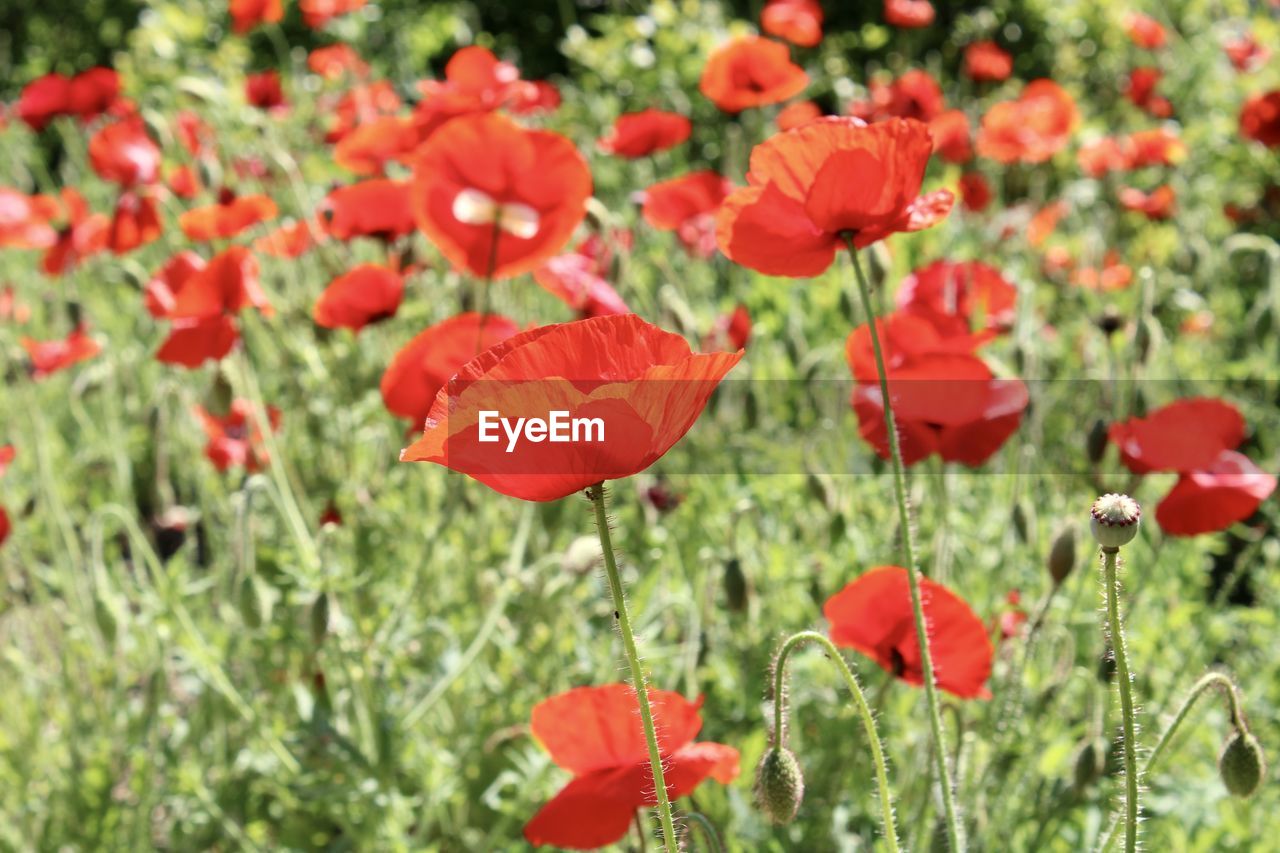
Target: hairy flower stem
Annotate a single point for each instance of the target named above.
(864, 710)
(596, 494)
(955, 832)
(1131, 774)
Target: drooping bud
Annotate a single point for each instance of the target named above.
(1242, 764)
(1019, 518)
(1096, 442)
(1091, 762)
(1114, 520)
(779, 785)
(735, 585)
(1062, 555)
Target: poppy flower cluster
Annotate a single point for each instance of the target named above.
(86, 96)
(1196, 438)
(1030, 129)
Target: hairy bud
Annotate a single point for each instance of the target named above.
(1062, 555)
(779, 785)
(1242, 764)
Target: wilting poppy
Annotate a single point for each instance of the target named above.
(641, 134)
(633, 388)
(794, 115)
(1145, 31)
(688, 205)
(228, 217)
(86, 95)
(495, 198)
(751, 72)
(595, 733)
(84, 234)
(873, 615)
(578, 280)
(1246, 53)
(25, 220)
(123, 153)
(247, 14)
(379, 208)
(1260, 118)
(809, 186)
(366, 294)
(334, 60)
(367, 149)
(955, 294)
(987, 62)
(317, 13)
(1227, 491)
(950, 132)
(731, 331)
(290, 240)
(1141, 90)
(908, 14)
(264, 91)
(135, 222)
(48, 357)
(975, 192)
(796, 21)
(1155, 205)
(913, 95)
(235, 440)
(423, 366)
(1030, 129)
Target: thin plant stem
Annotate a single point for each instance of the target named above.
(708, 831)
(955, 832)
(1131, 775)
(864, 710)
(596, 494)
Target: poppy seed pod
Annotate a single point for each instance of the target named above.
(1242, 764)
(1114, 520)
(1062, 555)
(779, 785)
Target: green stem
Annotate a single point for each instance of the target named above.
(864, 710)
(955, 832)
(1213, 679)
(1126, 699)
(699, 820)
(596, 494)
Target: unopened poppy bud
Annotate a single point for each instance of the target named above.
(1114, 520)
(1091, 763)
(1062, 555)
(1096, 443)
(1242, 764)
(735, 585)
(1019, 519)
(779, 785)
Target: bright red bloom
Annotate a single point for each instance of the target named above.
(264, 91)
(1141, 90)
(365, 294)
(135, 222)
(24, 220)
(475, 81)
(1186, 435)
(643, 384)
(987, 62)
(578, 280)
(1156, 147)
(83, 235)
(236, 439)
(161, 293)
(334, 60)
(1156, 205)
(291, 240)
(873, 615)
(1146, 31)
(1031, 129)
(48, 357)
(809, 186)
(913, 95)
(482, 179)
(975, 192)
(731, 331)
(184, 182)
(423, 366)
(6, 527)
(796, 21)
(228, 217)
(954, 294)
(124, 154)
(688, 206)
(7, 454)
(1228, 491)
(194, 133)
(201, 301)
(247, 14)
(641, 134)
(317, 13)
(1260, 118)
(94, 92)
(595, 733)
(87, 95)
(368, 148)
(1246, 53)
(950, 132)
(1101, 156)
(378, 208)
(751, 72)
(908, 14)
(794, 115)
(360, 105)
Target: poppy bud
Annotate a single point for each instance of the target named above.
(319, 619)
(1242, 764)
(1096, 443)
(1062, 555)
(779, 785)
(1142, 339)
(1091, 763)
(735, 585)
(1114, 520)
(1020, 521)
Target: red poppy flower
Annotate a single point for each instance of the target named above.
(247, 14)
(366, 294)
(1031, 129)
(423, 366)
(87, 95)
(1186, 435)
(1228, 491)
(975, 192)
(236, 438)
(641, 134)
(24, 220)
(184, 182)
(595, 733)
(83, 235)
(794, 115)
(1101, 156)
(367, 149)
(1156, 205)
(1141, 90)
(1145, 31)
(194, 133)
(908, 14)
(123, 153)
(950, 132)
(476, 81)
(987, 62)
(808, 186)
(8, 453)
(730, 333)
(48, 357)
(228, 217)
(135, 222)
(642, 384)
(577, 279)
(873, 615)
(796, 21)
(495, 198)
(1156, 147)
(913, 95)
(264, 91)
(751, 72)
(1044, 221)
(161, 293)
(317, 13)
(953, 294)
(201, 303)
(1246, 53)
(378, 208)
(360, 105)
(1260, 118)
(688, 205)
(290, 240)
(333, 61)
